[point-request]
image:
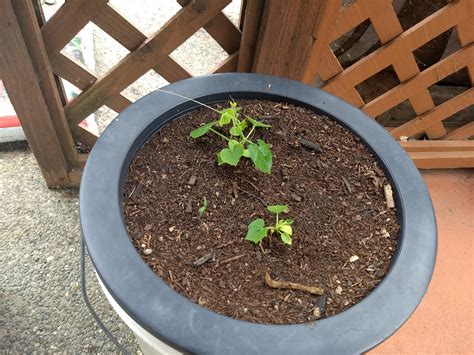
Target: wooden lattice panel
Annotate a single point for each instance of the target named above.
(397, 47)
(145, 53)
(288, 38)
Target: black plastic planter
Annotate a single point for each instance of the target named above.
(186, 326)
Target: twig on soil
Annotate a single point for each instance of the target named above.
(202, 260)
(137, 190)
(310, 145)
(249, 182)
(225, 261)
(346, 185)
(343, 266)
(225, 244)
(177, 284)
(358, 282)
(292, 286)
(261, 200)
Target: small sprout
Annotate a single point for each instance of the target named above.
(257, 229)
(203, 208)
(239, 142)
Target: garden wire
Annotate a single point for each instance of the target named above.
(96, 317)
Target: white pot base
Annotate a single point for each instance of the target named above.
(149, 344)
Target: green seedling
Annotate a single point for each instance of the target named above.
(257, 229)
(203, 208)
(239, 142)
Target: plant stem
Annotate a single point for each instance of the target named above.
(248, 135)
(219, 134)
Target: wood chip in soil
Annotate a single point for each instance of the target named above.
(335, 196)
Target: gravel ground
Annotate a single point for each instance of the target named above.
(41, 308)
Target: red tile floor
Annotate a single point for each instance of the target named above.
(444, 322)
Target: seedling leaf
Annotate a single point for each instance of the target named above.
(235, 145)
(256, 123)
(261, 156)
(235, 131)
(203, 208)
(202, 130)
(228, 114)
(226, 156)
(285, 238)
(232, 154)
(256, 231)
(277, 208)
(238, 129)
(286, 228)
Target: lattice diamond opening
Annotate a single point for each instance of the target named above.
(378, 84)
(148, 16)
(200, 53)
(148, 82)
(107, 51)
(103, 116)
(397, 115)
(459, 119)
(232, 11)
(355, 44)
(443, 91)
(431, 52)
(414, 11)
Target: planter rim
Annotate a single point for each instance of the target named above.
(187, 326)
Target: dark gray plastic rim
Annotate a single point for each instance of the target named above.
(192, 328)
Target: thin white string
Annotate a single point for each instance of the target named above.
(187, 98)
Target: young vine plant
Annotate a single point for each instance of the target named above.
(257, 229)
(241, 128)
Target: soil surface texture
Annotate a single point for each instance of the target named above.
(344, 236)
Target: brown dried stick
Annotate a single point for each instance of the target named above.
(292, 286)
(231, 259)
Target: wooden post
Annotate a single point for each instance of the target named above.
(251, 14)
(41, 21)
(325, 19)
(291, 35)
(22, 81)
(28, 23)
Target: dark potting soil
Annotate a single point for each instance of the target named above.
(344, 234)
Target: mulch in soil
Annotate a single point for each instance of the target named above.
(344, 234)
